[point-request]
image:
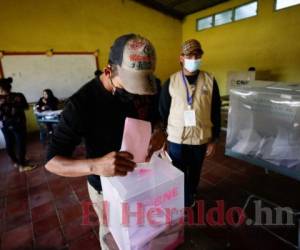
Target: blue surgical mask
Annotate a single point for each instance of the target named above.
(192, 65)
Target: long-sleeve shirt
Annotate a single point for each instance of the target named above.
(97, 117)
(48, 104)
(12, 109)
(165, 104)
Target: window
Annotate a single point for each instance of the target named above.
(245, 11)
(231, 15)
(223, 17)
(280, 4)
(205, 23)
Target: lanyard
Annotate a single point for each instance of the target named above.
(189, 97)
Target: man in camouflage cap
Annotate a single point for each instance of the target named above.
(190, 108)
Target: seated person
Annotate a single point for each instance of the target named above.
(47, 102)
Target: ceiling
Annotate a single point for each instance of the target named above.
(179, 8)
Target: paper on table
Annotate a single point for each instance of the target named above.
(136, 138)
(49, 112)
(248, 142)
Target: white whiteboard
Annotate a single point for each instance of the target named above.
(64, 74)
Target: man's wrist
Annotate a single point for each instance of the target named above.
(157, 125)
(91, 166)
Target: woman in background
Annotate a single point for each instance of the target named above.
(12, 116)
(47, 102)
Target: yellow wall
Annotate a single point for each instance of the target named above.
(269, 41)
(86, 25)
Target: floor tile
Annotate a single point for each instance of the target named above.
(40, 198)
(37, 179)
(66, 201)
(18, 238)
(69, 214)
(88, 242)
(60, 188)
(82, 194)
(43, 187)
(43, 211)
(51, 240)
(45, 225)
(17, 220)
(17, 180)
(78, 182)
(19, 195)
(50, 176)
(16, 208)
(74, 230)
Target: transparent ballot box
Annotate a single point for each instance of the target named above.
(264, 126)
(144, 203)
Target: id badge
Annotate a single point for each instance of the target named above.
(189, 118)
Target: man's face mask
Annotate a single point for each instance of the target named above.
(192, 65)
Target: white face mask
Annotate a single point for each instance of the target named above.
(192, 65)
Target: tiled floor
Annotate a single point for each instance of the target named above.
(39, 210)
(42, 210)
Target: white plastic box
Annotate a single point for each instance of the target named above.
(169, 239)
(157, 188)
(264, 124)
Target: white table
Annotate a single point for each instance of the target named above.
(2, 141)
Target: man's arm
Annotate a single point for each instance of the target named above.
(158, 138)
(68, 133)
(66, 137)
(216, 112)
(112, 164)
(165, 103)
(215, 119)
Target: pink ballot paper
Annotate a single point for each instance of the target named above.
(136, 138)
